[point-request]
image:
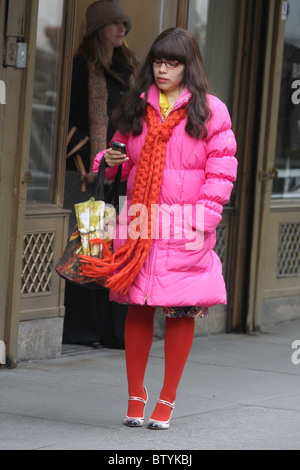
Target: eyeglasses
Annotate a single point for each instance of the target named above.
(170, 64)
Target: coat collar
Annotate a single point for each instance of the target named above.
(153, 97)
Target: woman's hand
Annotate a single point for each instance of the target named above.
(89, 178)
(113, 157)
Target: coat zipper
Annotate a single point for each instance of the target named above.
(150, 270)
(163, 120)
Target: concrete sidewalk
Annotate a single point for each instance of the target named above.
(237, 392)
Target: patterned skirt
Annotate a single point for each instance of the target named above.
(179, 312)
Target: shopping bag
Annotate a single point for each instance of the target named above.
(93, 218)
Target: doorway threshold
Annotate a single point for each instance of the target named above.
(69, 349)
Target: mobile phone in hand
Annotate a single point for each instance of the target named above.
(119, 147)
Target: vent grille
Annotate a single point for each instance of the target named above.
(221, 243)
(37, 264)
(288, 263)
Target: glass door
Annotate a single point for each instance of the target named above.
(287, 153)
(275, 276)
(214, 24)
(44, 107)
(46, 222)
(217, 41)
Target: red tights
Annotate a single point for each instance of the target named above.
(138, 340)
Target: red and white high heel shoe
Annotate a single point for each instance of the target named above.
(156, 424)
(136, 422)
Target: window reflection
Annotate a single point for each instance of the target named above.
(44, 99)
(213, 22)
(198, 12)
(287, 155)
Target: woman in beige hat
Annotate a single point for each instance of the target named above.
(103, 70)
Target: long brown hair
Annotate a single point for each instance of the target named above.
(177, 44)
(93, 48)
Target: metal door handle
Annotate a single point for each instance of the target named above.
(270, 174)
(27, 177)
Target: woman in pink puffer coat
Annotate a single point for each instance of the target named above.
(169, 117)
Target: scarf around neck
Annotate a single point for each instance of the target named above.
(120, 269)
(98, 119)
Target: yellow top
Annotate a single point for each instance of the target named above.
(165, 108)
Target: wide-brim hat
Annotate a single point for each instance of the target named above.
(104, 12)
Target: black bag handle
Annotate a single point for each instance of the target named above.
(99, 185)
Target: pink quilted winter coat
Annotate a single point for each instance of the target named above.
(178, 272)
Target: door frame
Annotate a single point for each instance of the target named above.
(252, 43)
(265, 161)
(18, 205)
(15, 244)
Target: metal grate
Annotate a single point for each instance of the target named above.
(37, 262)
(288, 261)
(221, 243)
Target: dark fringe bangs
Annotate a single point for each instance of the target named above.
(169, 48)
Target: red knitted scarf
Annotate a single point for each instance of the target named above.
(120, 269)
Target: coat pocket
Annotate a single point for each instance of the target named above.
(185, 255)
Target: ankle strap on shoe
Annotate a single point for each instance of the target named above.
(137, 399)
(167, 403)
